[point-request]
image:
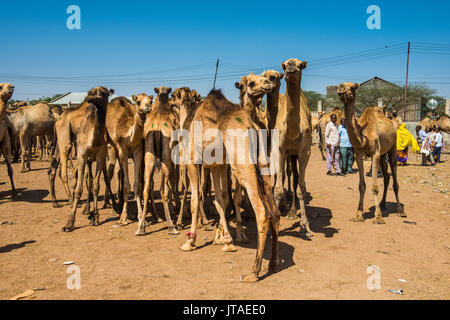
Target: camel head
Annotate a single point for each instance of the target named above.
(347, 91)
(293, 69)
(254, 86)
(99, 95)
(6, 91)
(163, 91)
(143, 102)
(182, 96)
(274, 77)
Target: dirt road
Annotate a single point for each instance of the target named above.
(115, 264)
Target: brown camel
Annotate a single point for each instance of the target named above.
(29, 122)
(219, 114)
(6, 92)
(125, 128)
(323, 121)
(83, 126)
(159, 126)
(294, 126)
(372, 135)
(442, 122)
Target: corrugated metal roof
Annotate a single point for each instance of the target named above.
(76, 98)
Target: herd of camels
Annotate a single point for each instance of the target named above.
(142, 130)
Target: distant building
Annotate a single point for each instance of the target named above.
(75, 99)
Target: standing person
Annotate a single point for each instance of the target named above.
(438, 145)
(404, 141)
(332, 142)
(421, 134)
(346, 149)
(426, 150)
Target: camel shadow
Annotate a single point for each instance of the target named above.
(391, 209)
(14, 246)
(34, 196)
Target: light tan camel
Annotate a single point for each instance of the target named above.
(442, 122)
(6, 92)
(273, 96)
(29, 122)
(219, 114)
(83, 126)
(159, 126)
(294, 126)
(125, 129)
(372, 135)
(187, 101)
(323, 121)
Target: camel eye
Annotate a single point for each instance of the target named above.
(272, 78)
(138, 103)
(251, 84)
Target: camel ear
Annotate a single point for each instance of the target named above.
(238, 85)
(283, 66)
(169, 90)
(281, 76)
(357, 85)
(111, 92)
(134, 98)
(157, 90)
(303, 65)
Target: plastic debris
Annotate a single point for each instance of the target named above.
(398, 291)
(409, 222)
(68, 262)
(401, 280)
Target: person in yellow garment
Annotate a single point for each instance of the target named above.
(404, 141)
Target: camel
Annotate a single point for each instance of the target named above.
(373, 135)
(125, 127)
(83, 126)
(186, 101)
(314, 125)
(6, 92)
(159, 126)
(294, 126)
(29, 122)
(217, 113)
(442, 122)
(323, 121)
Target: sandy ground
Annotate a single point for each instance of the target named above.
(115, 264)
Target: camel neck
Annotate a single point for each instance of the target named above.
(3, 108)
(292, 109)
(250, 103)
(351, 124)
(272, 107)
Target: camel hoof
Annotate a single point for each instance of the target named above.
(309, 234)
(67, 228)
(229, 248)
(358, 218)
(402, 215)
(124, 222)
(250, 278)
(173, 231)
(242, 238)
(188, 247)
(56, 205)
(379, 221)
(140, 232)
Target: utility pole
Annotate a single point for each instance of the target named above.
(406, 86)
(215, 76)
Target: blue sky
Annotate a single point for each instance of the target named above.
(133, 46)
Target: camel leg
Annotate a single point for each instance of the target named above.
(64, 175)
(278, 191)
(52, 171)
(292, 160)
(220, 180)
(123, 160)
(24, 148)
(89, 181)
(289, 194)
(393, 166)
(6, 150)
(183, 201)
(81, 165)
(100, 165)
(206, 187)
(110, 173)
(194, 172)
(137, 159)
(302, 159)
(237, 199)
(166, 189)
(375, 164)
(385, 180)
(148, 186)
(362, 188)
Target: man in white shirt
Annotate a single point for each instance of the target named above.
(438, 144)
(332, 142)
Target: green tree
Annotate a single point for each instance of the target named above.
(313, 98)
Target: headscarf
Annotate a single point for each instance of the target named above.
(405, 139)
